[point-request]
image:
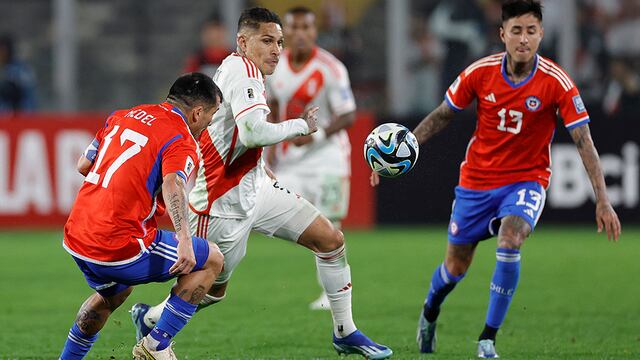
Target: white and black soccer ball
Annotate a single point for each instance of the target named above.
(391, 150)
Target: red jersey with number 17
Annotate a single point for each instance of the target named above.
(516, 122)
(112, 221)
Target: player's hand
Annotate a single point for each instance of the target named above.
(310, 115)
(607, 219)
(302, 140)
(374, 179)
(186, 258)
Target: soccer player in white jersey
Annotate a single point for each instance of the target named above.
(234, 194)
(315, 166)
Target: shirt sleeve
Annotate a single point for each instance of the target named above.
(92, 150)
(340, 96)
(462, 91)
(571, 108)
(247, 94)
(180, 157)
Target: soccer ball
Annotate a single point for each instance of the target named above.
(391, 150)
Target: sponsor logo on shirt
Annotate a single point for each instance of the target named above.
(532, 103)
(578, 104)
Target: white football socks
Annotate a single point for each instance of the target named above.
(335, 276)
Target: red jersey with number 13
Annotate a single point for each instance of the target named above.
(112, 220)
(516, 122)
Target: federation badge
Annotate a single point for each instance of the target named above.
(453, 228)
(532, 103)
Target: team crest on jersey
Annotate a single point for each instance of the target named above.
(578, 104)
(532, 103)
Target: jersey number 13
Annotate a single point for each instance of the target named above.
(515, 121)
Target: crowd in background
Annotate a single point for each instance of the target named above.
(445, 36)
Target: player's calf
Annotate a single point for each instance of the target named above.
(513, 231)
(189, 290)
(92, 316)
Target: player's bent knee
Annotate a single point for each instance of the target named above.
(215, 259)
(513, 231)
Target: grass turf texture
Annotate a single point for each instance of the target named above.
(577, 299)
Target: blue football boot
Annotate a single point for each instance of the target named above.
(426, 335)
(138, 311)
(358, 343)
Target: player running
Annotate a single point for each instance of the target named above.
(234, 194)
(507, 167)
(318, 166)
(111, 232)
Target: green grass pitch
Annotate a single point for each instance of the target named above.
(578, 298)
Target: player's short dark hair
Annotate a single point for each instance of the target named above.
(252, 18)
(194, 89)
(300, 10)
(515, 8)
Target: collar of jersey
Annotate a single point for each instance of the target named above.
(503, 70)
(175, 110)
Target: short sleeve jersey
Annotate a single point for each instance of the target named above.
(112, 219)
(324, 82)
(515, 122)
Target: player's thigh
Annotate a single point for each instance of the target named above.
(472, 214)
(103, 285)
(154, 263)
(525, 200)
(230, 235)
(282, 213)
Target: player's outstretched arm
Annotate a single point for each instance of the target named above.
(433, 123)
(606, 217)
(175, 197)
(254, 131)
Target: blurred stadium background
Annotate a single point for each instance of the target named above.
(65, 64)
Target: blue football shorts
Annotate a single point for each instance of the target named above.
(476, 214)
(152, 266)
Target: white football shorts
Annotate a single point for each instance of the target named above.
(279, 213)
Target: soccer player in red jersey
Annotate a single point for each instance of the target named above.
(506, 169)
(111, 232)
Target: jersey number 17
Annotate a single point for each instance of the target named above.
(138, 140)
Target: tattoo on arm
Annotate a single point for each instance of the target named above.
(176, 200)
(176, 205)
(582, 138)
(437, 120)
